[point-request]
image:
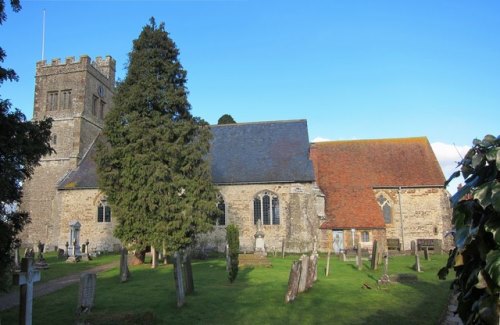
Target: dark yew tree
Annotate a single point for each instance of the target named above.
(22, 145)
(154, 166)
(226, 119)
(233, 242)
(476, 222)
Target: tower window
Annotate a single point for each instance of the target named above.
(66, 99)
(52, 97)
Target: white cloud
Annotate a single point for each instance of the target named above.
(320, 139)
(448, 156)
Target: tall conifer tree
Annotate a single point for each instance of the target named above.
(153, 168)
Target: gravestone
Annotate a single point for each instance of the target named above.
(304, 260)
(86, 251)
(293, 281)
(416, 266)
(67, 249)
(414, 247)
(60, 254)
(179, 279)
(124, 271)
(426, 254)
(385, 279)
(40, 263)
(375, 255)
(86, 293)
(25, 279)
(311, 271)
(74, 253)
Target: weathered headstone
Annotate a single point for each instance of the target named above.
(124, 271)
(311, 271)
(359, 258)
(327, 270)
(416, 266)
(25, 279)
(179, 279)
(414, 247)
(375, 255)
(385, 279)
(260, 246)
(188, 274)
(86, 251)
(86, 294)
(293, 281)
(426, 254)
(304, 260)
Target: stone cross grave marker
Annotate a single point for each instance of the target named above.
(293, 281)
(25, 279)
(86, 293)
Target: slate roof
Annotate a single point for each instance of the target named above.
(348, 171)
(264, 152)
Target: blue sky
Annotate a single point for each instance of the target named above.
(353, 69)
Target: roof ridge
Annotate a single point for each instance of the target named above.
(421, 138)
(261, 122)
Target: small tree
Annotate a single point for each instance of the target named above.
(226, 119)
(233, 241)
(476, 221)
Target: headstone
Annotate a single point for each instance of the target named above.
(311, 271)
(304, 260)
(293, 281)
(74, 253)
(385, 279)
(426, 254)
(40, 263)
(25, 279)
(179, 281)
(260, 246)
(188, 274)
(359, 259)
(86, 294)
(124, 271)
(414, 247)
(416, 266)
(375, 255)
(154, 258)
(327, 270)
(86, 251)
(67, 249)
(41, 246)
(60, 254)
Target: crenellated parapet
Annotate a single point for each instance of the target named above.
(106, 66)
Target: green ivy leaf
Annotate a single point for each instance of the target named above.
(493, 266)
(495, 196)
(493, 226)
(483, 194)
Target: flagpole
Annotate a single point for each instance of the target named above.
(43, 36)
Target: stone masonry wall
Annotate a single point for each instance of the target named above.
(299, 216)
(426, 214)
(81, 206)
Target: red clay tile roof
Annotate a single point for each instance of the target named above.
(347, 172)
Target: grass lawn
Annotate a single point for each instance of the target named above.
(256, 297)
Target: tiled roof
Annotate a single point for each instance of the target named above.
(264, 152)
(347, 172)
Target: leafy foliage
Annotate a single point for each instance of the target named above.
(226, 119)
(22, 145)
(233, 241)
(153, 167)
(476, 221)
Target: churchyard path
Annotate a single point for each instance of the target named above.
(12, 299)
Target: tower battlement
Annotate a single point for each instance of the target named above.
(106, 66)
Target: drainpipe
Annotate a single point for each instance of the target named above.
(401, 218)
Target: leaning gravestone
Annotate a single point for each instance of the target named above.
(293, 281)
(25, 279)
(86, 294)
(304, 260)
(311, 271)
(375, 255)
(124, 272)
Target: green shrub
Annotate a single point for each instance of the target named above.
(233, 241)
(476, 221)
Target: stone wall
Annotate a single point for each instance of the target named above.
(426, 214)
(300, 210)
(81, 205)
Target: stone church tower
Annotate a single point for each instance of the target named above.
(76, 95)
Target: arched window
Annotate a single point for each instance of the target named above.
(221, 205)
(266, 208)
(103, 211)
(386, 208)
(365, 236)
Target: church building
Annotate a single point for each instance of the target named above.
(270, 179)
